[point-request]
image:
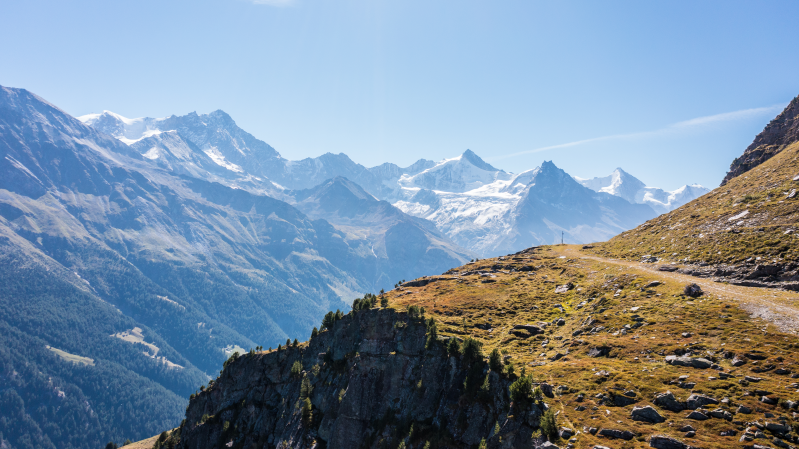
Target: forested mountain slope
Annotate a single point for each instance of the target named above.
(125, 284)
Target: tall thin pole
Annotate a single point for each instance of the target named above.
(561, 237)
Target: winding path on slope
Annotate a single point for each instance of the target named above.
(776, 306)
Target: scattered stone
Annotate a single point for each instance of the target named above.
(687, 428)
(698, 416)
(566, 433)
(560, 322)
(782, 371)
(564, 288)
(693, 290)
(694, 362)
(533, 330)
(593, 430)
(666, 442)
(599, 447)
(668, 268)
(653, 284)
(752, 379)
(736, 361)
(744, 409)
(549, 445)
(614, 433)
(667, 401)
(646, 414)
(777, 427)
(728, 433)
(721, 414)
(768, 400)
(696, 401)
(686, 335)
(579, 408)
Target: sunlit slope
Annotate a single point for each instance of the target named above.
(604, 344)
(754, 215)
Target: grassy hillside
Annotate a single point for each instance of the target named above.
(618, 326)
(753, 215)
(602, 339)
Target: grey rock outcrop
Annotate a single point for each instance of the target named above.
(666, 442)
(667, 401)
(371, 375)
(646, 414)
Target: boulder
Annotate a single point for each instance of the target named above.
(646, 414)
(693, 290)
(531, 329)
(564, 288)
(693, 362)
(566, 433)
(666, 442)
(698, 416)
(696, 401)
(615, 433)
(737, 361)
(768, 400)
(668, 268)
(778, 427)
(549, 445)
(599, 351)
(720, 413)
(744, 409)
(667, 401)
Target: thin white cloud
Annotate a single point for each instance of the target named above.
(670, 129)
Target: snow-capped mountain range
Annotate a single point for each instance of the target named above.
(625, 185)
(481, 208)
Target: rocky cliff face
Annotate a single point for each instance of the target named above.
(374, 382)
(779, 133)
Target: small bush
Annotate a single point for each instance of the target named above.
(307, 411)
(432, 333)
(296, 369)
(495, 361)
(521, 391)
(548, 425)
(305, 388)
(328, 321)
(472, 350)
(453, 347)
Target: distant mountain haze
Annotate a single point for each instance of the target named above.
(147, 263)
(467, 199)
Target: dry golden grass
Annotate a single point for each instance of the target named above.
(612, 296)
(704, 229)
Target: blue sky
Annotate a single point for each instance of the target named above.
(669, 91)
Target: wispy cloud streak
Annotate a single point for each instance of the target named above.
(670, 129)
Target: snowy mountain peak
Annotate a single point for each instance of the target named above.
(627, 186)
(478, 162)
(459, 174)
